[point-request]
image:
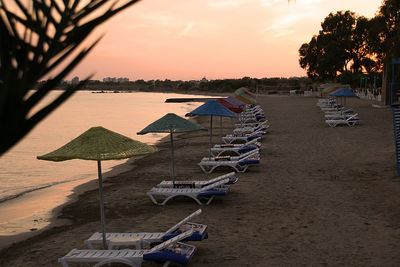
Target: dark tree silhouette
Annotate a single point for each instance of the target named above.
(37, 38)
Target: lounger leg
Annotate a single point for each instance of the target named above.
(241, 170)
(213, 168)
(209, 201)
(89, 244)
(154, 200)
(204, 169)
(166, 200)
(63, 262)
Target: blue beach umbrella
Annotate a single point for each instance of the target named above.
(212, 108)
(171, 123)
(344, 92)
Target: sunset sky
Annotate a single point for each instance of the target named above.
(216, 39)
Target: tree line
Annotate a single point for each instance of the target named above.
(262, 85)
(349, 45)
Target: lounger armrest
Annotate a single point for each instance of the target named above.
(251, 152)
(188, 218)
(172, 241)
(214, 185)
(352, 116)
(219, 178)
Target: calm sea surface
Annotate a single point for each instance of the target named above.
(22, 174)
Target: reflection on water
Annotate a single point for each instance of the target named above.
(125, 113)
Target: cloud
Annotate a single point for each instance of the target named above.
(283, 22)
(227, 3)
(187, 29)
(270, 2)
(285, 19)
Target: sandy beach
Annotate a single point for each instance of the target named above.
(321, 196)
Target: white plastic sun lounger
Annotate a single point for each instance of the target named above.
(248, 130)
(238, 149)
(333, 108)
(251, 114)
(207, 192)
(251, 124)
(199, 184)
(350, 121)
(252, 118)
(136, 239)
(240, 163)
(338, 115)
(230, 138)
(168, 251)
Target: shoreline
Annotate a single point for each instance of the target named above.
(83, 186)
(318, 197)
(52, 219)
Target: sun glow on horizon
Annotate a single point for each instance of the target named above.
(217, 39)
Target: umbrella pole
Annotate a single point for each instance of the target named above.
(220, 125)
(103, 218)
(172, 159)
(211, 119)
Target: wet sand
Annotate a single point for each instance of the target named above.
(320, 196)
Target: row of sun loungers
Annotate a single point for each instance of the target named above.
(168, 246)
(237, 149)
(170, 250)
(238, 163)
(203, 192)
(147, 239)
(161, 195)
(239, 156)
(336, 114)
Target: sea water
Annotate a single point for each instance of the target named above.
(31, 188)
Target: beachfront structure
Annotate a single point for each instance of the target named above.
(75, 80)
(394, 101)
(115, 80)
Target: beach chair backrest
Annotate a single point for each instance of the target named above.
(352, 117)
(214, 185)
(251, 152)
(219, 178)
(249, 155)
(173, 240)
(188, 218)
(250, 142)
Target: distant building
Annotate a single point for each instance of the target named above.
(123, 80)
(75, 80)
(115, 80)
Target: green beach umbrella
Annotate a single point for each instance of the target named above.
(246, 99)
(99, 144)
(171, 123)
(244, 90)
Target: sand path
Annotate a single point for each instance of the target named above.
(320, 197)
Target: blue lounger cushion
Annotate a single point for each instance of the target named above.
(209, 193)
(200, 232)
(248, 162)
(253, 137)
(179, 253)
(233, 181)
(246, 149)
